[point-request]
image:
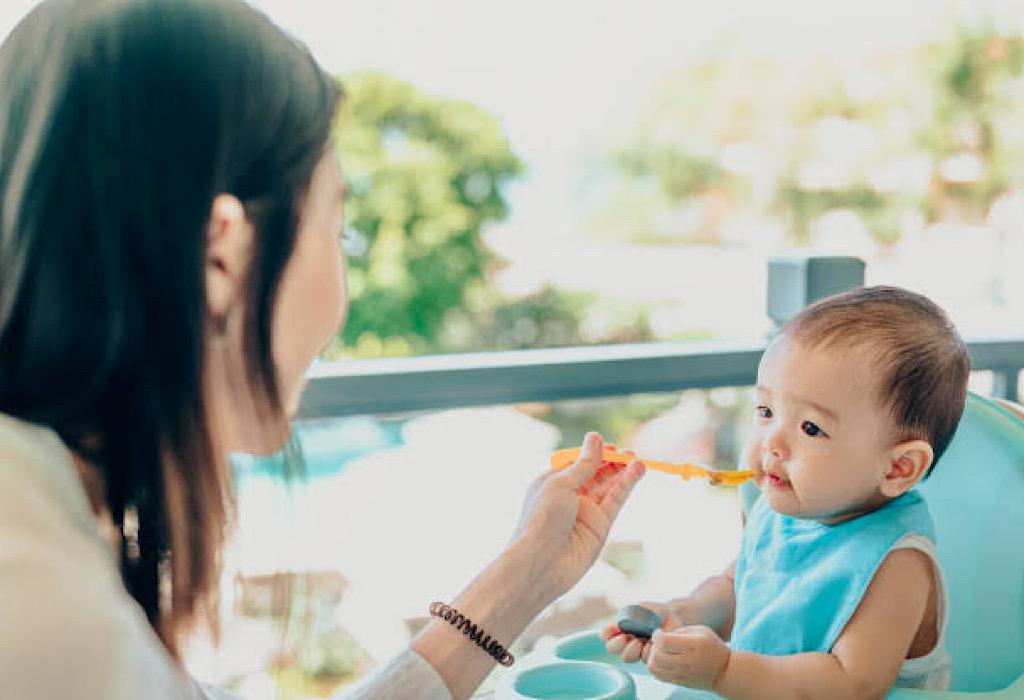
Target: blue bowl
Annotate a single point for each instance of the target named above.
(587, 646)
(572, 680)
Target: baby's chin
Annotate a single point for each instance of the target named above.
(782, 506)
(780, 500)
(794, 508)
(784, 501)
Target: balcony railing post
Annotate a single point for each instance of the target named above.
(797, 279)
(1004, 383)
(355, 387)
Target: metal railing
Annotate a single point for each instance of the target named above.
(451, 381)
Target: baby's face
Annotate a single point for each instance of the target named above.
(822, 441)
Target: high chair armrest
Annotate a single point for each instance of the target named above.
(1014, 408)
(1015, 691)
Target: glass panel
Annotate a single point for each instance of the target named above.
(330, 576)
(981, 382)
(574, 194)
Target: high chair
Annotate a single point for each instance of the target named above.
(976, 497)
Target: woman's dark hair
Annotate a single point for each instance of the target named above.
(120, 122)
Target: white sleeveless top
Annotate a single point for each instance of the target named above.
(934, 670)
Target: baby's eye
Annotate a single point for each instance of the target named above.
(811, 429)
(763, 411)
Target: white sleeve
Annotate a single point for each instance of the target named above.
(68, 628)
(407, 675)
(404, 675)
(62, 637)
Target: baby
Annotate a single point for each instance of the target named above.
(836, 591)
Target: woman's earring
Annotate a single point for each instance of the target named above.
(222, 325)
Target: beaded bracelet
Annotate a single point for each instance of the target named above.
(475, 634)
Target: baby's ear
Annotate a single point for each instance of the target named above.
(908, 463)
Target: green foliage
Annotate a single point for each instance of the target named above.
(828, 137)
(681, 173)
(425, 176)
(546, 319)
(615, 417)
(977, 109)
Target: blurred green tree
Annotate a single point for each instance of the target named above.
(425, 175)
(929, 134)
(977, 108)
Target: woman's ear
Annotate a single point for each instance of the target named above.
(229, 241)
(908, 463)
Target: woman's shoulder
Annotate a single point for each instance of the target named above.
(68, 633)
(70, 628)
(45, 517)
(38, 478)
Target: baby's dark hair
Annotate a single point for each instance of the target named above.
(923, 361)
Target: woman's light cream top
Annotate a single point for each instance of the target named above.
(68, 627)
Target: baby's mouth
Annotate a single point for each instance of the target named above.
(775, 481)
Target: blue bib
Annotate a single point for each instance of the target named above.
(798, 582)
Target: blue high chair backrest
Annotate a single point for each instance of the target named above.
(976, 497)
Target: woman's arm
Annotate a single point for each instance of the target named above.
(502, 601)
(565, 521)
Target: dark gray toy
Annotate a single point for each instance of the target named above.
(638, 621)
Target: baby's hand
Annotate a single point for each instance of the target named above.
(692, 656)
(632, 648)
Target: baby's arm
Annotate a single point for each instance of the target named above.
(866, 658)
(712, 603)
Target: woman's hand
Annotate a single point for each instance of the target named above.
(565, 521)
(631, 648)
(568, 514)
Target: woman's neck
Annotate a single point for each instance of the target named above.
(92, 483)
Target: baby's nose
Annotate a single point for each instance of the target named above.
(775, 446)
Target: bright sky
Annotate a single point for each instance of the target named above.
(570, 51)
(562, 74)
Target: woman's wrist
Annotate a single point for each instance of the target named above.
(510, 592)
(501, 601)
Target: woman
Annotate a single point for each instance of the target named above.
(169, 266)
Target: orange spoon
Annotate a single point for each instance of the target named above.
(722, 477)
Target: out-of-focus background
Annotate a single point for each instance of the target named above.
(546, 174)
